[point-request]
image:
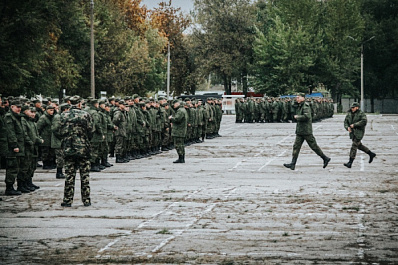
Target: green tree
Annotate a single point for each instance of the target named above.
(224, 37)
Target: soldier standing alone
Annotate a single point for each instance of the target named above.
(355, 123)
(304, 132)
(179, 130)
(76, 132)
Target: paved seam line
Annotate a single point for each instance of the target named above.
(144, 223)
(209, 208)
(271, 160)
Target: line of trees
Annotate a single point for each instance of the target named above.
(273, 46)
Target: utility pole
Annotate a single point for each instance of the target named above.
(168, 70)
(92, 50)
(362, 79)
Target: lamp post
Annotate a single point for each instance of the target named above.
(362, 84)
(168, 70)
(92, 49)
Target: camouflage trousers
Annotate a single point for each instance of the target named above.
(166, 137)
(356, 144)
(95, 151)
(71, 166)
(14, 169)
(120, 145)
(310, 139)
(27, 165)
(47, 154)
(59, 157)
(179, 144)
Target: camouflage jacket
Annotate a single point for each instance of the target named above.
(76, 131)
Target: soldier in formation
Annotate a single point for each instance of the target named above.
(270, 110)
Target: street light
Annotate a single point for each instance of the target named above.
(362, 89)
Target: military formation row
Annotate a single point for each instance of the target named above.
(128, 128)
(279, 109)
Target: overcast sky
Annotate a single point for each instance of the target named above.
(185, 5)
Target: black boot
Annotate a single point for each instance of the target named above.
(179, 160)
(349, 164)
(326, 161)
(47, 165)
(95, 168)
(59, 174)
(10, 191)
(292, 165)
(28, 187)
(33, 185)
(371, 156)
(107, 164)
(21, 187)
(183, 159)
(119, 159)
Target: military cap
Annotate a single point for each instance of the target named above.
(161, 98)
(151, 100)
(107, 105)
(64, 106)
(147, 101)
(16, 103)
(49, 99)
(187, 99)
(112, 99)
(355, 104)
(25, 107)
(93, 101)
(32, 109)
(101, 101)
(141, 103)
(75, 100)
(136, 96)
(301, 95)
(44, 101)
(127, 98)
(122, 102)
(182, 103)
(117, 99)
(50, 107)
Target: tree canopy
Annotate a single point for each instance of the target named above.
(274, 47)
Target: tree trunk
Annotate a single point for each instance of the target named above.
(227, 84)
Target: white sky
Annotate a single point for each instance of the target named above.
(185, 5)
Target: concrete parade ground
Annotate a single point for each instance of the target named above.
(232, 202)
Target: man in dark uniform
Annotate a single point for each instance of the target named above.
(179, 123)
(16, 137)
(304, 132)
(355, 123)
(76, 131)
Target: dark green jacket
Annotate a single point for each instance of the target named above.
(119, 119)
(359, 120)
(44, 128)
(98, 136)
(3, 134)
(31, 146)
(304, 119)
(55, 127)
(16, 135)
(179, 121)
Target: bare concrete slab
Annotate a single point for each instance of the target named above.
(232, 202)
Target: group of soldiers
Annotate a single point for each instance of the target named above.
(128, 128)
(269, 109)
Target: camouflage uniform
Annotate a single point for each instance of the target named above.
(76, 132)
(358, 120)
(179, 124)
